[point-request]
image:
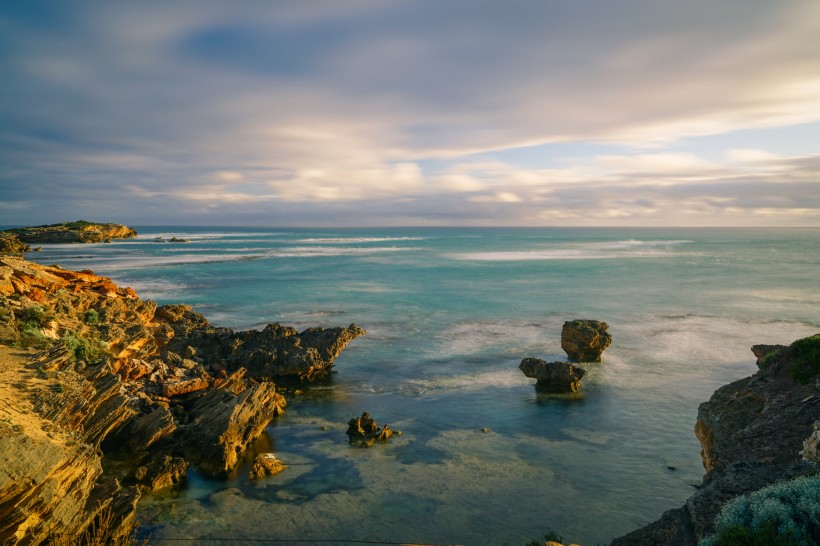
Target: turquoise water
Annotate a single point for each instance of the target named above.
(450, 313)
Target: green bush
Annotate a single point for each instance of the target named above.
(31, 336)
(84, 349)
(786, 513)
(806, 355)
(37, 317)
(91, 317)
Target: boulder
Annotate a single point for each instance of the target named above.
(553, 377)
(584, 340)
(266, 465)
(811, 445)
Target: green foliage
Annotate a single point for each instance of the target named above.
(84, 349)
(806, 358)
(31, 336)
(58, 388)
(767, 360)
(37, 317)
(786, 513)
(91, 317)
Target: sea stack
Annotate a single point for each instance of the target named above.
(584, 340)
(553, 377)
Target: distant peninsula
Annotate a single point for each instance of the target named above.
(80, 231)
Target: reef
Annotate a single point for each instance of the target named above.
(80, 231)
(104, 395)
(753, 432)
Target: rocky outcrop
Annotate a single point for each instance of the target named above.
(275, 352)
(226, 420)
(811, 445)
(130, 392)
(265, 465)
(553, 377)
(11, 244)
(584, 340)
(73, 232)
(365, 432)
(752, 434)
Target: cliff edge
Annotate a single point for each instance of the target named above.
(752, 434)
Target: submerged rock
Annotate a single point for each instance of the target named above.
(553, 377)
(584, 340)
(266, 465)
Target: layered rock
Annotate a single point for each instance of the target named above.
(275, 352)
(752, 434)
(132, 393)
(584, 340)
(73, 232)
(226, 420)
(553, 377)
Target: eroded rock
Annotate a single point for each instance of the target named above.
(553, 377)
(266, 465)
(584, 340)
(225, 420)
(364, 431)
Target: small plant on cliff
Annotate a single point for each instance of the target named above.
(806, 358)
(91, 317)
(87, 350)
(31, 336)
(37, 317)
(783, 514)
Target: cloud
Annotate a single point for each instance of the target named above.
(329, 111)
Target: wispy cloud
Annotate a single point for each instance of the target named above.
(407, 112)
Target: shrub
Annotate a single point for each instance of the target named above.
(37, 317)
(31, 336)
(91, 317)
(806, 358)
(83, 349)
(786, 513)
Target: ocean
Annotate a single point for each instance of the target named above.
(449, 314)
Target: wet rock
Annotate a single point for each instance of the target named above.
(553, 377)
(366, 432)
(161, 471)
(225, 420)
(584, 340)
(266, 465)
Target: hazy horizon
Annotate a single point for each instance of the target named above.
(362, 113)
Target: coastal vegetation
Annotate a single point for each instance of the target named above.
(79, 231)
(783, 514)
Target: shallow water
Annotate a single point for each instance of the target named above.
(449, 314)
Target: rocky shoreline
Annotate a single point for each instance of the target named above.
(124, 395)
(80, 231)
(754, 432)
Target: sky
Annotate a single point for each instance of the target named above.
(411, 112)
